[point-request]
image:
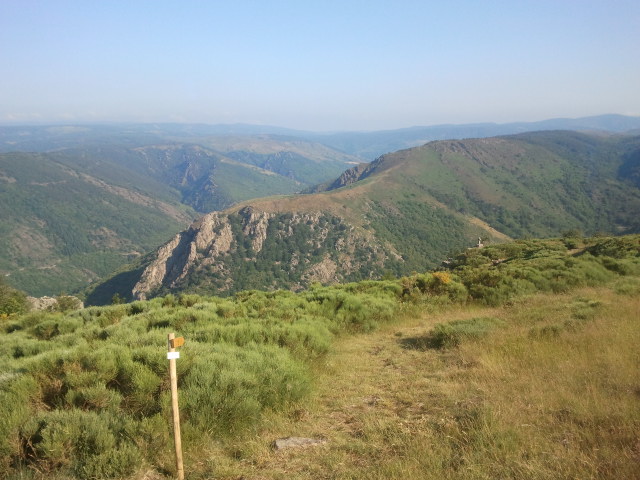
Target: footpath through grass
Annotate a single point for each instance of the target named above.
(519, 361)
(551, 390)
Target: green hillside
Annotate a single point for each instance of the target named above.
(203, 179)
(305, 161)
(62, 228)
(102, 196)
(471, 372)
(535, 184)
(408, 211)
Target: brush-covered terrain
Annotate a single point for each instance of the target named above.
(92, 199)
(518, 361)
(79, 202)
(404, 212)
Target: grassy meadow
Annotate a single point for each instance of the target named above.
(519, 361)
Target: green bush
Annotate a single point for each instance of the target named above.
(628, 286)
(169, 301)
(97, 398)
(29, 347)
(616, 247)
(447, 335)
(19, 394)
(626, 266)
(65, 303)
(12, 301)
(229, 387)
(54, 326)
(80, 443)
(188, 300)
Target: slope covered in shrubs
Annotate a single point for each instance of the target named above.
(86, 393)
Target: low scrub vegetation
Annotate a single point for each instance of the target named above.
(85, 393)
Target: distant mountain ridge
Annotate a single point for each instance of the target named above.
(406, 212)
(62, 228)
(365, 145)
(72, 215)
(370, 145)
(161, 169)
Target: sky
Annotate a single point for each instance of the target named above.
(320, 65)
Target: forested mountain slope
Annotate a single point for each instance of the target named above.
(62, 228)
(407, 211)
(97, 198)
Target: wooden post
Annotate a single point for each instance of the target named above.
(173, 376)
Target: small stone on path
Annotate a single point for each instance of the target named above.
(295, 442)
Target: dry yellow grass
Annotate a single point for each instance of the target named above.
(552, 393)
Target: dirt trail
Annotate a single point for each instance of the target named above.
(373, 388)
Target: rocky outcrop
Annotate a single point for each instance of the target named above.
(256, 224)
(353, 175)
(208, 237)
(42, 303)
(230, 251)
(60, 303)
(350, 176)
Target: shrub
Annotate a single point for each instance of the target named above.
(229, 387)
(169, 301)
(628, 286)
(12, 301)
(97, 398)
(627, 266)
(46, 330)
(84, 444)
(617, 247)
(106, 316)
(447, 335)
(54, 326)
(188, 300)
(18, 396)
(29, 347)
(137, 383)
(65, 303)
(136, 308)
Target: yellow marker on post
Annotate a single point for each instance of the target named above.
(172, 355)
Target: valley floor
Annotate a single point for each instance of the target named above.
(553, 391)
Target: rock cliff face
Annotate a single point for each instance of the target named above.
(227, 252)
(355, 174)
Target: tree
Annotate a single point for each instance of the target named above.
(117, 299)
(12, 301)
(64, 303)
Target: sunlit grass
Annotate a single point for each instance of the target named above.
(427, 376)
(512, 404)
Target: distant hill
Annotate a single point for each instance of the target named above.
(136, 187)
(203, 168)
(405, 212)
(61, 228)
(363, 145)
(370, 145)
(204, 179)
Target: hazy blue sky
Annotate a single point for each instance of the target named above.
(319, 65)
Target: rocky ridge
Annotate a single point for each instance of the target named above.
(227, 250)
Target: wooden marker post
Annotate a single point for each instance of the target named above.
(172, 355)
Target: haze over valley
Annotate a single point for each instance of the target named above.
(379, 240)
(153, 180)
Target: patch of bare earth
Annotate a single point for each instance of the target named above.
(28, 243)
